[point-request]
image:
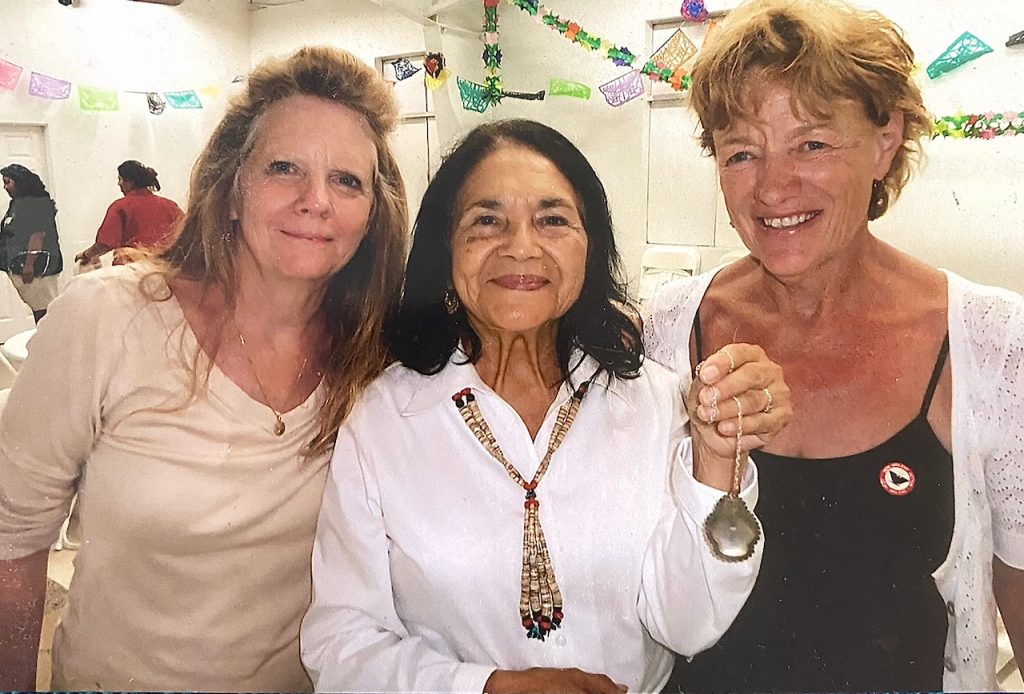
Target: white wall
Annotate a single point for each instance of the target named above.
(359, 26)
(122, 45)
(965, 209)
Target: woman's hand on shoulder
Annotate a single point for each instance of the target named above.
(737, 379)
(550, 680)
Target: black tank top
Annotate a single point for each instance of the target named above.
(845, 600)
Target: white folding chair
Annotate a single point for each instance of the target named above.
(662, 264)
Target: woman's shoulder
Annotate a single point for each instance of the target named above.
(668, 316)
(980, 307)
(119, 286)
(681, 292)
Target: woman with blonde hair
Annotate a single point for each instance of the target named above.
(195, 409)
(891, 505)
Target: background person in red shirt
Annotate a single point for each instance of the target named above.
(141, 219)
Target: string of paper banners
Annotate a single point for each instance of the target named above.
(668, 64)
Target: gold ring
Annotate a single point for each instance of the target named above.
(732, 362)
(771, 401)
(712, 414)
(713, 407)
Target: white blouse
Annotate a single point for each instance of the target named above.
(986, 353)
(416, 563)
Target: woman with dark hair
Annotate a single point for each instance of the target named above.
(29, 245)
(522, 374)
(141, 219)
(192, 400)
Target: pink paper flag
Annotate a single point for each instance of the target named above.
(9, 75)
(48, 87)
(623, 89)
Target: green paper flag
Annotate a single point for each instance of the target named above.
(186, 99)
(559, 87)
(966, 48)
(96, 99)
(473, 95)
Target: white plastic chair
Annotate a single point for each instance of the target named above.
(15, 348)
(662, 264)
(7, 372)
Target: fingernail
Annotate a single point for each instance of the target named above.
(710, 374)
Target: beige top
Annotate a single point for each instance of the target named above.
(197, 522)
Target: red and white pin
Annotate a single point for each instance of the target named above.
(897, 479)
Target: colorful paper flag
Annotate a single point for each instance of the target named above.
(966, 48)
(48, 87)
(404, 69)
(9, 75)
(97, 99)
(623, 89)
(473, 95)
(434, 64)
(560, 87)
(674, 52)
(210, 90)
(185, 99)
(435, 82)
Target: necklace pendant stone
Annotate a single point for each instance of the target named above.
(279, 428)
(732, 530)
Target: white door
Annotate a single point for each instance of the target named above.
(26, 145)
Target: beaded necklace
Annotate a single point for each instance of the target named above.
(540, 599)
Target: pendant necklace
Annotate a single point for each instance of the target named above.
(540, 599)
(731, 529)
(279, 427)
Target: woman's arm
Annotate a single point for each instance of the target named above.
(109, 235)
(35, 244)
(47, 429)
(93, 251)
(690, 596)
(22, 595)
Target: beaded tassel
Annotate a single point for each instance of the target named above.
(540, 599)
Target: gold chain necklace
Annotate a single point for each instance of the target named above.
(279, 427)
(540, 599)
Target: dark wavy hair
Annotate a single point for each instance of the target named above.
(601, 323)
(138, 174)
(27, 183)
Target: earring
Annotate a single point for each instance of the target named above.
(451, 302)
(877, 199)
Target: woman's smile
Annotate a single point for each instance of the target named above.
(527, 283)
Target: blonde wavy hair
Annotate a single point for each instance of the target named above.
(360, 297)
(822, 51)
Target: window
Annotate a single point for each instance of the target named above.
(683, 201)
(415, 141)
